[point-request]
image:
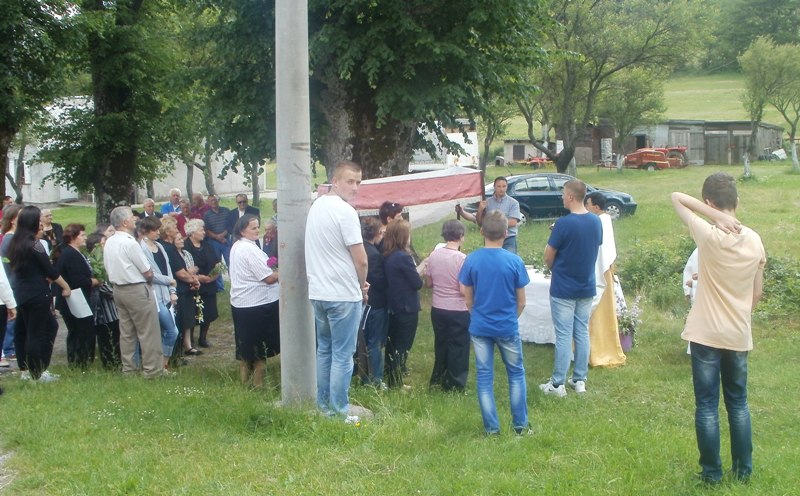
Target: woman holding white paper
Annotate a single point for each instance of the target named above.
(75, 269)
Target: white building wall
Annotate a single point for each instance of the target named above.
(37, 191)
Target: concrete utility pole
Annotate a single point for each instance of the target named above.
(298, 355)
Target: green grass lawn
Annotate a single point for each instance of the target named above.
(631, 433)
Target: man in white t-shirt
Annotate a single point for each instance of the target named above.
(336, 265)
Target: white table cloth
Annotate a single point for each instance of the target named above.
(536, 322)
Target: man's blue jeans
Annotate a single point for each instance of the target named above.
(337, 332)
(710, 366)
(510, 244)
(375, 333)
(571, 323)
(511, 353)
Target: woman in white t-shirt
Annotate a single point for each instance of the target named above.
(254, 302)
(449, 314)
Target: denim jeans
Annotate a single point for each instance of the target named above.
(571, 323)
(510, 244)
(710, 366)
(375, 333)
(8, 341)
(511, 353)
(337, 330)
(169, 331)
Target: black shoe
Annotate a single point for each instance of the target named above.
(203, 344)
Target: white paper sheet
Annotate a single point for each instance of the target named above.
(77, 304)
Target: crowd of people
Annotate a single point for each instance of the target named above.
(149, 279)
(134, 290)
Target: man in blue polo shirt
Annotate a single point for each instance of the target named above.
(571, 254)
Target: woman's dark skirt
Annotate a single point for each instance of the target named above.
(185, 311)
(210, 312)
(257, 332)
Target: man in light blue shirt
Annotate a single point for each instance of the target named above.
(504, 203)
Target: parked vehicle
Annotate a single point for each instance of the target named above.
(539, 196)
(676, 156)
(646, 158)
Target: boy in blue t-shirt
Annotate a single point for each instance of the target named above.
(571, 254)
(493, 281)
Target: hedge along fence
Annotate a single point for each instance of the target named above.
(655, 269)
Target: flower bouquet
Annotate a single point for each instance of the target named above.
(628, 318)
(218, 270)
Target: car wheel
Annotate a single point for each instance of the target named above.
(651, 166)
(613, 209)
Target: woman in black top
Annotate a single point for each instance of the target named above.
(75, 269)
(403, 285)
(205, 258)
(36, 326)
(173, 243)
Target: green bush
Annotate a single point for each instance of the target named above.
(649, 264)
(781, 288)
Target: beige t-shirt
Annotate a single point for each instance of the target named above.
(728, 263)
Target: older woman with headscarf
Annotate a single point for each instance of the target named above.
(163, 283)
(75, 269)
(205, 258)
(254, 302)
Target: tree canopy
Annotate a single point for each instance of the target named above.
(591, 42)
(772, 76)
(383, 69)
(123, 135)
(34, 38)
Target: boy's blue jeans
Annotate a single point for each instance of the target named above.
(337, 330)
(511, 353)
(710, 367)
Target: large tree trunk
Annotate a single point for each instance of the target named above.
(337, 143)
(384, 151)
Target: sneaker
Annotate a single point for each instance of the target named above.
(549, 388)
(47, 377)
(353, 420)
(523, 431)
(4, 363)
(578, 386)
(25, 375)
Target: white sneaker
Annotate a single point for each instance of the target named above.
(548, 388)
(578, 386)
(47, 377)
(25, 375)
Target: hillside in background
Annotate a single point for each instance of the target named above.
(710, 97)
